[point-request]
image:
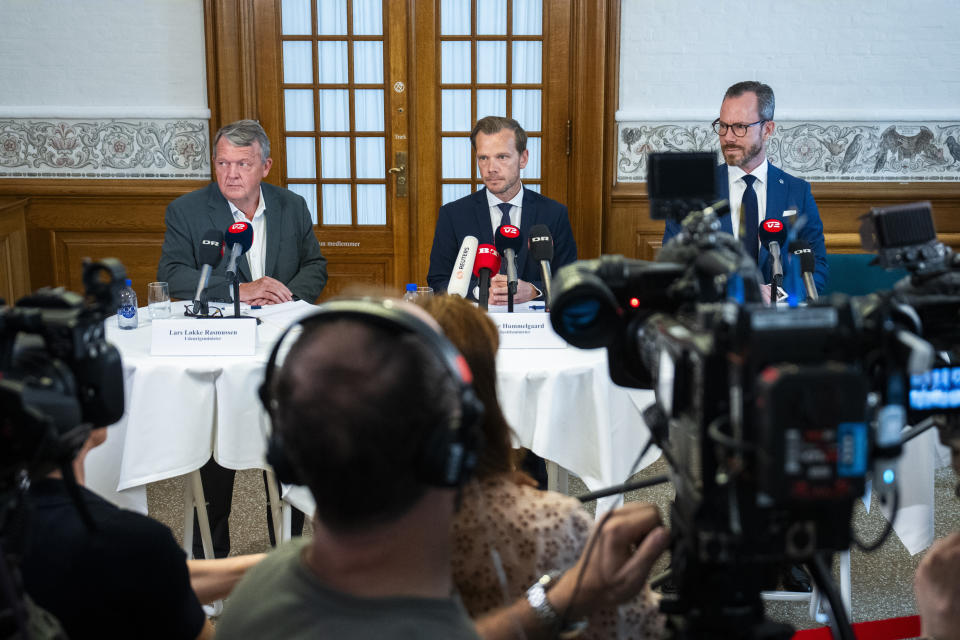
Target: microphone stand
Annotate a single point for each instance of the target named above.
(511, 289)
(236, 294)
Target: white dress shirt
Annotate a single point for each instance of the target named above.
(257, 254)
(738, 186)
(496, 215)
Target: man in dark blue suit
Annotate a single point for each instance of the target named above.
(501, 148)
(757, 190)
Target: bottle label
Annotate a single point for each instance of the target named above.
(128, 311)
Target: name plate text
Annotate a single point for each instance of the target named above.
(204, 337)
(527, 331)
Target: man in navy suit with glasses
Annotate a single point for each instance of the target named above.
(756, 189)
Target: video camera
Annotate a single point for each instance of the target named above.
(772, 419)
(59, 379)
(58, 376)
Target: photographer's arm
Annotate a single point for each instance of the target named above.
(622, 555)
(213, 580)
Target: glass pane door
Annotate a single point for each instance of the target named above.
(334, 108)
(491, 63)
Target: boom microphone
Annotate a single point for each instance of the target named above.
(801, 249)
(486, 264)
(462, 268)
(540, 244)
(239, 237)
(773, 234)
(211, 253)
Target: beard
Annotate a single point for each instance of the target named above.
(739, 156)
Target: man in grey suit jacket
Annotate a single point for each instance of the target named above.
(284, 262)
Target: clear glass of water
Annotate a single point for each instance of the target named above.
(158, 300)
(424, 291)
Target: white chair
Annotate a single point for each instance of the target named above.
(817, 605)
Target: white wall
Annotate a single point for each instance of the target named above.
(847, 59)
(126, 79)
(878, 79)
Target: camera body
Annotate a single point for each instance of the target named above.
(771, 418)
(59, 378)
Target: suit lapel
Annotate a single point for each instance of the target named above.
(481, 213)
(776, 193)
(221, 218)
(723, 192)
(274, 227)
(529, 217)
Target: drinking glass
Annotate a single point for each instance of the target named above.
(158, 300)
(424, 291)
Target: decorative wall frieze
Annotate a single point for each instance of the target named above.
(104, 148)
(816, 151)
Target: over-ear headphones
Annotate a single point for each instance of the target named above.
(449, 454)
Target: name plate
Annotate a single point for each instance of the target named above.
(204, 337)
(527, 331)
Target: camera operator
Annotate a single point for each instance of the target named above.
(756, 189)
(126, 578)
(373, 409)
(936, 584)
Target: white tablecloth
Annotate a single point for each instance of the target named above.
(560, 402)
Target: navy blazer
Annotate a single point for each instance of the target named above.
(292, 253)
(470, 216)
(784, 193)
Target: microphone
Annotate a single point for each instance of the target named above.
(462, 268)
(211, 253)
(808, 262)
(540, 244)
(773, 234)
(239, 237)
(507, 240)
(486, 264)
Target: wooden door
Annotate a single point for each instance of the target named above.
(305, 60)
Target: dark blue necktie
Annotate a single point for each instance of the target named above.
(505, 207)
(750, 217)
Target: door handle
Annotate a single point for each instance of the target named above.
(401, 171)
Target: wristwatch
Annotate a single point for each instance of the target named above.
(537, 598)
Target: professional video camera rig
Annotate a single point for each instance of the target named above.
(772, 419)
(59, 379)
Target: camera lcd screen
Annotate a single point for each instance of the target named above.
(935, 391)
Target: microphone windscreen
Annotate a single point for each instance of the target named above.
(772, 230)
(462, 268)
(211, 248)
(487, 258)
(801, 249)
(540, 243)
(240, 233)
(507, 237)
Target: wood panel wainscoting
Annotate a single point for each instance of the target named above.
(66, 221)
(14, 261)
(630, 231)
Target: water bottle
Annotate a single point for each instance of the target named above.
(127, 311)
(411, 293)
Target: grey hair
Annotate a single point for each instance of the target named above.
(243, 133)
(765, 101)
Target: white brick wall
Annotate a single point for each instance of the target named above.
(825, 59)
(102, 58)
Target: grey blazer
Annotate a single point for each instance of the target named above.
(292, 254)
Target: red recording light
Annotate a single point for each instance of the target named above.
(634, 302)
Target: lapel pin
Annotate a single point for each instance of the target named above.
(781, 180)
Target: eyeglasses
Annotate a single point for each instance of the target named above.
(739, 129)
(193, 311)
